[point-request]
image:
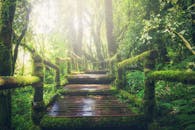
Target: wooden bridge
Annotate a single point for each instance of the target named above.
(89, 101)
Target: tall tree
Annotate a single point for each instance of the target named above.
(24, 13)
(7, 16)
(79, 42)
(193, 22)
(96, 25)
(112, 47)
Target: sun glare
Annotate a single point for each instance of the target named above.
(44, 16)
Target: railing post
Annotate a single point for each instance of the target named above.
(121, 77)
(38, 105)
(149, 90)
(57, 78)
(121, 80)
(112, 67)
(69, 66)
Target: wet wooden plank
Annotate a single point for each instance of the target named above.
(87, 87)
(89, 79)
(73, 106)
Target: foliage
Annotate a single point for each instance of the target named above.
(21, 108)
(135, 82)
(135, 102)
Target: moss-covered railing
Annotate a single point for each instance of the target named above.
(47, 63)
(132, 64)
(10, 82)
(16, 82)
(36, 81)
(146, 63)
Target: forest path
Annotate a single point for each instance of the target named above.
(90, 97)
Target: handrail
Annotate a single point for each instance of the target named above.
(133, 60)
(148, 58)
(46, 62)
(10, 82)
(151, 76)
(186, 77)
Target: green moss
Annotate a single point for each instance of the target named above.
(174, 76)
(8, 82)
(64, 123)
(133, 60)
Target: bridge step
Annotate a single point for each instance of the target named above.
(88, 89)
(89, 79)
(77, 106)
(97, 72)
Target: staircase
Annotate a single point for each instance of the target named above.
(88, 102)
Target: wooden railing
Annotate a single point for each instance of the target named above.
(146, 63)
(36, 81)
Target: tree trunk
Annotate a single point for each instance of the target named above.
(97, 40)
(193, 23)
(7, 16)
(112, 47)
(79, 42)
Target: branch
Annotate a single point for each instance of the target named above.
(31, 50)
(19, 38)
(186, 43)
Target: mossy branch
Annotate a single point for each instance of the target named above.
(133, 60)
(185, 41)
(174, 76)
(10, 82)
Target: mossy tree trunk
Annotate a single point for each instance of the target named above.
(6, 21)
(149, 90)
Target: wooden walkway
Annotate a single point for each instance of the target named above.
(74, 104)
